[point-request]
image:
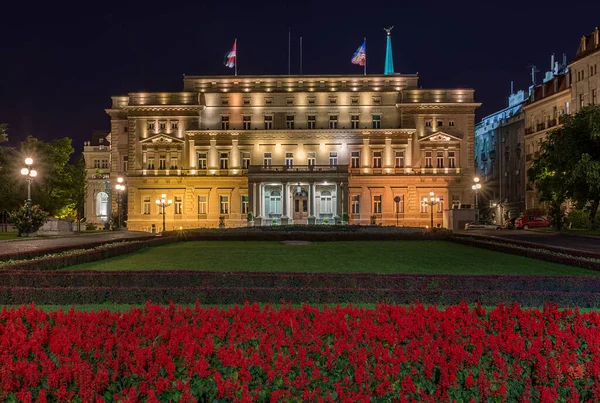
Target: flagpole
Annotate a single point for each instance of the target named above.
(365, 55)
(236, 58)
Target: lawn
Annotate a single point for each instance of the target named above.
(8, 235)
(411, 257)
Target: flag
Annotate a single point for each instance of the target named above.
(360, 56)
(230, 57)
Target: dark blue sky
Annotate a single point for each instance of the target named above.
(60, 63)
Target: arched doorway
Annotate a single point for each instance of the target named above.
(102, 206)
(300, 205)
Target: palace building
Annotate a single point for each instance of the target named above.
(285, 150)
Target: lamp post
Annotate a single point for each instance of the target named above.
(397, 201)
(29, 173)
(120, 188)
(163, 203)
(431, 201)
(475, 188)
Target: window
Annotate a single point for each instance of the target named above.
(376, 121)
(202, 161)
(244, 205)
(376, 100)
(440, 159)
(289, 159)
(174, 162)
(451, 123)
(312, 121)
(424, 207)
(376, 204)
(428, 123)
(146, 205)
(354, 100)
(224, 122)
(355, 204)
(427, 159)
(151, 125)
(332, 100)
(289, 101)
(246, 122)
(289, 122)
(311, 100)
(455, 201)
(326, 204)
(151, 163)
(268, 122)
(202, 205)
(333, 122)
(224, 161)
(312, 158)
(178, 205)
(451, 159)
(245, 160)
(275, 202)
(440, 123)
(581, 100)
(224, 204)
(399, 159)
(440, 205)
(174, 125)
(399, 207)
(376, 159)
(246, 101)
(594, 96)
(355, 121)
(267, 159)
(224, 101)
(124, 130)
(333, 158)
(162, 125)
(101, 164)
(268, 101)
(162, 162)
(355, 159)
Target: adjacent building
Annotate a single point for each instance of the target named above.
(584, 72)
(97, 156)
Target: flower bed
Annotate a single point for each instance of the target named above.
(389, 354)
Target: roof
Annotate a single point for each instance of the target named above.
(589, 44)
(97, 136)
(549, 88)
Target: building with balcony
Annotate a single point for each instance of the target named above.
(292, 150)
(97, 156)
(584, 72)
(499, 146)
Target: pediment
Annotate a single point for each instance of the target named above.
(161, 139)
(439, 137)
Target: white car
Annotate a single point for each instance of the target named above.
(482, 225)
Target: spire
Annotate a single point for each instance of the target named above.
(389, 59)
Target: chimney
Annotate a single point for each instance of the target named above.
(555, 84)
(597, 37)
(543, 90)
(552, 63)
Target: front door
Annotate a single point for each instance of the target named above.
(300, 206)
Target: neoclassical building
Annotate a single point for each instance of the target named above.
(291, 150)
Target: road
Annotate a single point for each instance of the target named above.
(545, 238)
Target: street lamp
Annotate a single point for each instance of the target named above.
(29, 173)
(120, 189)
(163, 203)
(475, 188)
(431, 201)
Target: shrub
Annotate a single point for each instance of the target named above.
(221, 221)
(91, 226)
(579, 219)
(28, 222)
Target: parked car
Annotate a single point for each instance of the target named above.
(510, 224)
(529, 221)
(482, 225)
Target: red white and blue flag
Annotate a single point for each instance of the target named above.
(230, 57)
(360, 56)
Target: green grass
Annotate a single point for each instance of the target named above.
(414, 257)
(8, 235)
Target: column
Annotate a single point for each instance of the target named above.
(213, 157)
(285, 200)
(365, 154)
(252, 199)
(388, 157)
(311, 203)
(337, 214)
(235, 154)
(409, 152)
(192, 155)
(258, 220)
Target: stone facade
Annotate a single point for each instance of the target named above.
(584, 72)
(292, 150)
(97, 156)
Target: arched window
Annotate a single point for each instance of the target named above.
(102, 206)
(275, 202)
(326, 205)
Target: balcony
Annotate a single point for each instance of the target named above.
(540, 126)
(256, 169)
(551, 123)
(529, 130)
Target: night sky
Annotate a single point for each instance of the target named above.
(61, 63)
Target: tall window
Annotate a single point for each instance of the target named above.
(178, 205)
(594, 96)
(162, 162)
(146, 205)
(581, 100)
(451, 159)
(151, 163)
(428, 123)
(355, 159)
(428, 159)
(245, 160)
(224, 161)
(333, 122)
(125, 163)
(174, 162)
(151, 125)
(224, 204)
(267, 159)
(289, 122)
(326, 204)
(376, 121)
(355, 204)
(376, 159)
(268, 122)
(289, 159)
(244, 204)
(202, 161)
(424, 207)
(451, 123)
(224, 122)
(202, 205)
(312, 121)
(440, 205)
(376, 204)
(247, 122)
(162, 125)
(440, 159)
(399, 159)
(174, 125)
(275, 202)
(355, 121)
(311, 158)
(455, 201)
(399, 207)
(333, 158)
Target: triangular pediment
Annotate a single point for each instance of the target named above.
(161, 139)
(439, 137)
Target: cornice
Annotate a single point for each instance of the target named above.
(295, 134)
(427, 106)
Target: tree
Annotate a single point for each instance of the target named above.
(3, 135)
(76, 181)
(569, 164)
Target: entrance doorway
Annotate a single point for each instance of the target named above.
(300, 205)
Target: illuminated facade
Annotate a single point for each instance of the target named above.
(97, 155)
(584, 72)
(293, 150)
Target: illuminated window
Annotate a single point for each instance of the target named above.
(289, 122)
(376, 204)
(202, 205)
(247, 122)
(355, 159)
(326, 202)
(268, 122)
(311, 158)
(202, 161)
(333, 122)
(289, 159)
(245, 160)
(275, 202)
(424, 207)
(224, 122)
(440, 205)
(376, 159)
(376, 121)
(581, 100)
(244, 205)
(178, 205)
(267, 159)
(312, 121)
(224, 161)
(146, 205)
(224, 204)
(333, 158)
(355, 204)
(355, 121)
(399, 159)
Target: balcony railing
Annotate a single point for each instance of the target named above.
(529, 130)
(297, 168)
(540, 126)
(551, 123)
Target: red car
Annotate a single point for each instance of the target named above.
(530, 221)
